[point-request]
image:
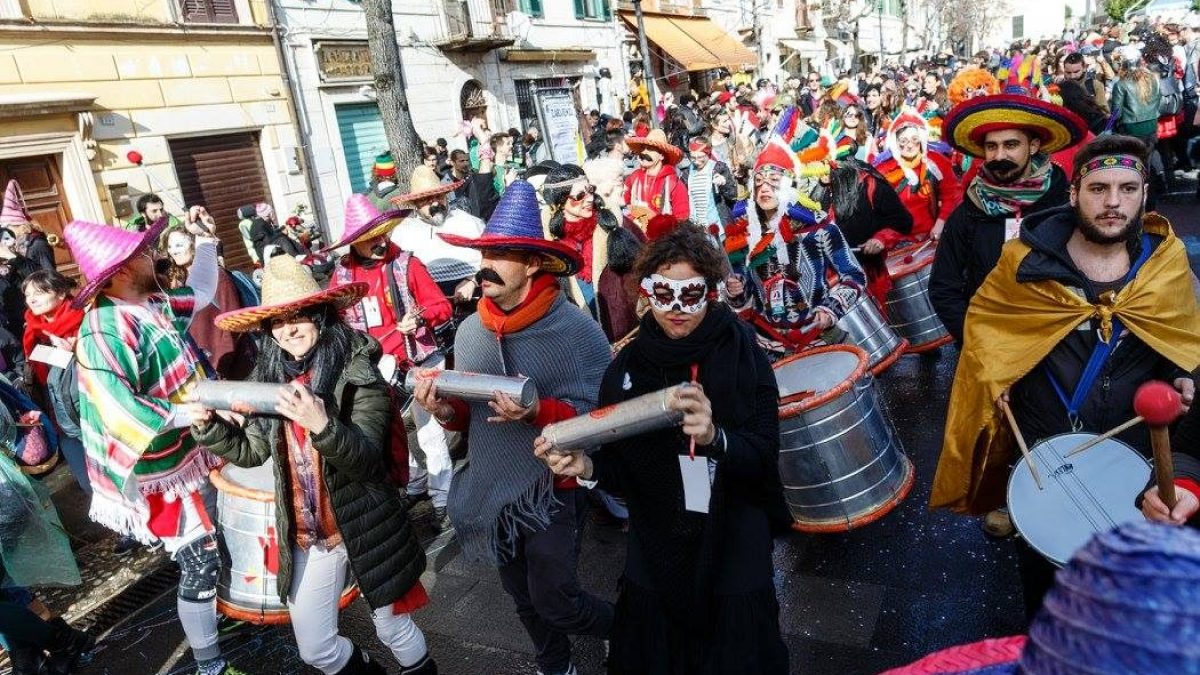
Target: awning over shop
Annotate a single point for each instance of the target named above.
(805, 48)
(694, 41)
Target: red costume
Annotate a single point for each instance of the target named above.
(663, 193)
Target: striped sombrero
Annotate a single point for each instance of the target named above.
(102, 250)
(365, 222)
(971, 120)
(287, 288)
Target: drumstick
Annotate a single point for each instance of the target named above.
(1164, 465)
(1105, 436)
(692, 443)
(1160, 404)
(1012, 422)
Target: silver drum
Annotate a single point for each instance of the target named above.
(868, 329)
(246, 518)
(908, 305)
(841, 461)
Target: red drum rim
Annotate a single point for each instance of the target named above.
(790, 406)
(275, 617)
(930, 346)
(868, 517)
(227, 486)
(903, 269)
(900, 350)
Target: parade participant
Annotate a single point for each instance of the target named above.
(654, 188)
(506, 506)
(14, 268)
(792, 268)
(336, 512)
(401, 309)
(923, 178)
(431, 214)
(1092, 301)
(711, 189)
(149, 476)
(970, 83)
(1013, 135)
(149, 209)
(31, 241)
(218, 345)
(697, 594)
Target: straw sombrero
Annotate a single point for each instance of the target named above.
(424, 184)
(656, 140)
(516, 225)
(971, 120)
(287, 288)
(102, 250)
(364, 221)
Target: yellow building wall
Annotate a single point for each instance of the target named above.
(123, 11)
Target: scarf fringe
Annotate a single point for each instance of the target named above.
(130, 514)
(531, 511)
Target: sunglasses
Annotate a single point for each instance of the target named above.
(851, 113)
(582, 194)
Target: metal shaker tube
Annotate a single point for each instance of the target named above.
(240, 397)
(478, 387)
(616, 422)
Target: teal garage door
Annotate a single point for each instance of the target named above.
(361, 129)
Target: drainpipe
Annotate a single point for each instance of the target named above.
(300, 120)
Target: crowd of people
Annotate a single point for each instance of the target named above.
(699, 241)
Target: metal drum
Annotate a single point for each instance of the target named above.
(1080, 496)
(908, 304)
(839, 457)
(868, 329)
(246, 518)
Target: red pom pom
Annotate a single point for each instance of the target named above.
(134, 157)
(1158, 403)
(908, 259)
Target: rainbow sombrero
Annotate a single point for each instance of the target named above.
(969, 121)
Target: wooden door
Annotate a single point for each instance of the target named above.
(41, 182)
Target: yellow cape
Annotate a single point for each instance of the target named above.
(1010, 327)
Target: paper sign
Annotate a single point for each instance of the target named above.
(697, 491)
(372, 316)
(59, 358)
(1012, 228)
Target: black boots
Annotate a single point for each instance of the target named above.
(425, 666)
(69, 646)
(27, 661)
(361, 664)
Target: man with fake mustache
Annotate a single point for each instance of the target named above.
(401, 310)
(1014, 135)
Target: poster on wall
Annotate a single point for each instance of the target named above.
(560, 123)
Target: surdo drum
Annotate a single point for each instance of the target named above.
(908, 305)
(869, 330)
(839, 457)
(246, 590)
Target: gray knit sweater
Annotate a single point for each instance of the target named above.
(504, 487)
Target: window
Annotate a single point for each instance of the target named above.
(1018, 27)
(889, 7)
(532, 8)
(208, 11)
(593, 9)
(526, 107)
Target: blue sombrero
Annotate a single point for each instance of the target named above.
(971, 120)
(516, 225)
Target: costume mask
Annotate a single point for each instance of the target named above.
(687, 295)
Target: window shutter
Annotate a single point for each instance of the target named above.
(209, 11)
(195, 10)
(224, 11)
(580, 10)
(606, 9)
(532, 7)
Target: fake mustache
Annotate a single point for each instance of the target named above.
(379, 249)
(435, 209)
(490, 275)
(1001, 167)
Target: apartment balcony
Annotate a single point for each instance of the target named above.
(675, 7)
(475, 26)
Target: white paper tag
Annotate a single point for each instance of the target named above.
(373, 316)
(59, 358)
(1012, 228)
(387, 367)
(697, 490)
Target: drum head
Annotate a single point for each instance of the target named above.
(258, 478)
(897, 267)
(1093, 491)
(808, 375)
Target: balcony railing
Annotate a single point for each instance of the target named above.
(475, 25)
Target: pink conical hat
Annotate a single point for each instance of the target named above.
(14, 211)
(101, 251)
(364, 220)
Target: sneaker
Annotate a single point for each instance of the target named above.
(125, 545)
(441, 521)
(998, 524)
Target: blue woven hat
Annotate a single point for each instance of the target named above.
(516, 225)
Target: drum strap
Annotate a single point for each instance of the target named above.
(1099, 357)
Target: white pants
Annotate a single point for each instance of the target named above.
(429, 466)
(318, 579)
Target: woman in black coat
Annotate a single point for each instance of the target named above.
(335, 513)
(697, 596)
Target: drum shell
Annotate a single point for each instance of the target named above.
(645, 413)
(478, 387)
(874, 335)
(911, 311)
(241, 397)
(246, 589)
(840, 460)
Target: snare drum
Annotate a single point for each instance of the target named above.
(908, 304)
(840, 460)
(1093, 491)
(867, 328)
(246, 589)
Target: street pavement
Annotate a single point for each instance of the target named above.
(853, 603)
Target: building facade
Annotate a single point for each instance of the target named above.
(454, 54)
(191, 89)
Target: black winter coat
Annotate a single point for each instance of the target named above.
(384, 553)
(970, 248)
(38, 250)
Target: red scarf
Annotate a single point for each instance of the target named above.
(578, 234)
(63, 322)
(543, 291)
